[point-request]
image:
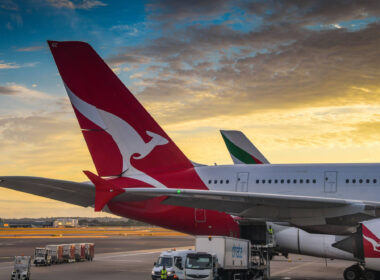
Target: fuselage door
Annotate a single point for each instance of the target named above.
(331, 182)
(242, 182)
(200, 215)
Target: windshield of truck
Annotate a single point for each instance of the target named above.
(198, 261)
(165, 261)
(39, 253)
(21, 263)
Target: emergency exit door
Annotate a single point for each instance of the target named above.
(331, 182)
(242, 182)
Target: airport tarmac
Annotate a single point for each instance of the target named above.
(132, 258)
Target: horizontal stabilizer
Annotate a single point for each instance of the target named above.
(81, 194)
(104, 191)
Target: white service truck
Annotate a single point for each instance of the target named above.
(21, 269)
(42, 256)
(219, 257)
(173, 261)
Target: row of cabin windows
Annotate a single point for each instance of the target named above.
(361, 181)
(288, 181)
(220, 181)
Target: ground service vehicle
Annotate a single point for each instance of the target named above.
(21, 269)
(89, 251)
(42, 256)
(80, 252)
(174, 263)
(68, 252)
(56, 252)
(219, 257)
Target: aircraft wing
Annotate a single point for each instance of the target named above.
(302, 211)
(81, 194)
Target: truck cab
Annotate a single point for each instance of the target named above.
(42, 256)
(21, 269)
(174, 263)
(201, 266)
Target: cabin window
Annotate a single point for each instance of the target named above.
(270, 181)
(347, 181)
(314, 181)
(275, 181)
(227, 181)
(263, 181)
(257, 181)
(367, 181)
(353, 181)
(361, 181)
(374, 181)
(221, 181)
(288, 181)
(209, 181)
(307, 181)
(215, 181)
(294, 181)
(282, 181)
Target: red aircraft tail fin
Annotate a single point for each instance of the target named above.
(120, 134)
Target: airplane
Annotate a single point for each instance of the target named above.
(143, 175)
(290, 239)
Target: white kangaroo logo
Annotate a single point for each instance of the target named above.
(375, 245)
(129, 142)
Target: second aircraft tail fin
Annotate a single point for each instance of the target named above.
(241, 150)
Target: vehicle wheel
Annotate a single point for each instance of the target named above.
(352, 273)
(370, 275)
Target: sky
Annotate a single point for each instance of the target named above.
(300, 78)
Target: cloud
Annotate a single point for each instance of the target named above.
(39, 129)
(24, 92)
(11, 65)
(317, 69)
(30, 49)
(168, 10)
(83, 5)
(309, 12)
(7, 90)
(126, 29)
(197, 71)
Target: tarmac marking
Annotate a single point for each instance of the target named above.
(6, 267)
(47, 236)
(134, 253)
(277, 273)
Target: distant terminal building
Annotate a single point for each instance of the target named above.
(3, 224)
(24, 223)
(66, 222)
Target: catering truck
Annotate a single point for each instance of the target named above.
(89, 251)
(173, 261)
(220, 257)
(56, 252)
(80, 252)
(68, 252)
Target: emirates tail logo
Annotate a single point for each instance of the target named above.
(130, 143)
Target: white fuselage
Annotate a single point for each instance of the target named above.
(359, 182)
